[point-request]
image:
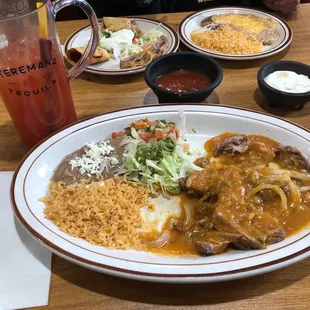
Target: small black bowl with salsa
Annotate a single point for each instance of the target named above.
(183, 77)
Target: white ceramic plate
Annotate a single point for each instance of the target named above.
(32, 177)
(192, 22)
(112, 67)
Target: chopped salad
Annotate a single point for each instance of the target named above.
(155, 154)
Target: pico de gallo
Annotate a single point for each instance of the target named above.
(155, 154)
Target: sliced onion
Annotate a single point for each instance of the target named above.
(203, 198)
(189, 181)
(160, 241)
(294, 192)
(273, 166)
(279, 172)
(276, 189)
(304, 188)
(300, 176)
(279, 178)
(189, 214)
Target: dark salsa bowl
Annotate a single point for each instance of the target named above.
(183, 62)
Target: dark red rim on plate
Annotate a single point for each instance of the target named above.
(56, 249)
(128, 71)
(281, 46)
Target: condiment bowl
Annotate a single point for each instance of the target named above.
(183, 61)
(280, 98)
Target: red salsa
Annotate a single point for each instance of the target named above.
(183, 81)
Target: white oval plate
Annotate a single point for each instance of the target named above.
(112, 66)
(32, 177)
(192, 22)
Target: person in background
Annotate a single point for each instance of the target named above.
(139, 7)
(283, 6)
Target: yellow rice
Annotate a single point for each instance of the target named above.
(227, 40)
(106, 214)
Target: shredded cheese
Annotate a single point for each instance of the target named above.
(97, 157)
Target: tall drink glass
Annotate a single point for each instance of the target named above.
(34, 82)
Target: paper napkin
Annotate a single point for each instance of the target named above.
(24, 263)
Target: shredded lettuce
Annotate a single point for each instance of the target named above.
(130, 50)
(159, 163)
(151, 36)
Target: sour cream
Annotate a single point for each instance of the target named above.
(288, 81)
(154, 219)
(119, 39)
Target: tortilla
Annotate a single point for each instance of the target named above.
(74, 55)
(141, 59)
(116, 23)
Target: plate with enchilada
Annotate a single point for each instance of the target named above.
(235, 33)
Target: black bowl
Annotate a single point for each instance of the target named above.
(184, 61)
(280, 98)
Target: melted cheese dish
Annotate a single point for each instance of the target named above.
(250, 23)
(236, 34)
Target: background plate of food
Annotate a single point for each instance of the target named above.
(235, 33)
(140, 193)
(126, 45)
